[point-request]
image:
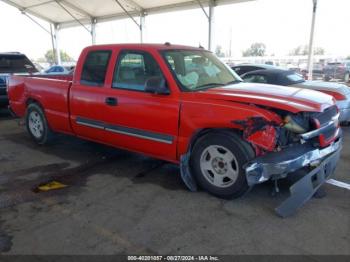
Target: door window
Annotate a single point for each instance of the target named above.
(134, 69)
(95, 68)
(255, 79)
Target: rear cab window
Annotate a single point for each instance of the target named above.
(95, 68)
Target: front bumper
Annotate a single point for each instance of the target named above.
(277, 165)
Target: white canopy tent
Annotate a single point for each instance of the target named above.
(69, 13)
(87, 13)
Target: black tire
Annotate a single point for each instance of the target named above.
(46, 135)
(242, 151)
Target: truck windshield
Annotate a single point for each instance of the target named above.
(197, 70)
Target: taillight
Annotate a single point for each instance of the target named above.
(337, 96)
(341, 68)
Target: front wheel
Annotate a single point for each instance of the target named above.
(36, 124)
(217, 162)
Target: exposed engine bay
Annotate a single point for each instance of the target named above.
(266, 136)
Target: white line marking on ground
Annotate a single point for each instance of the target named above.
(338, 183)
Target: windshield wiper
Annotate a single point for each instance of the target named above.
(209, 85)
(217, 84)
(233, 82)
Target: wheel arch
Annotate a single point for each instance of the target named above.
(31, 100)
(199, 133)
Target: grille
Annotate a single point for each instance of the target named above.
(325, 117)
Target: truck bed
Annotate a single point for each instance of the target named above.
(51, 90)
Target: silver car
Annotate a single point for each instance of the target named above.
(340, 92)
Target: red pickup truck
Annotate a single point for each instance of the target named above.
(183, 105)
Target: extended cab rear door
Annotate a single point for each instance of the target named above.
(121, 113)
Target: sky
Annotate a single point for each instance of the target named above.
(281, 25)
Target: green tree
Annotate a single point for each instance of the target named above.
(50, 57)
(256, 49)
(304, 50)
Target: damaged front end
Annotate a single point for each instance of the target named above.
(308, 142)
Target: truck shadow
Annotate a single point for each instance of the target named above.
(94, 159)
(5, 114)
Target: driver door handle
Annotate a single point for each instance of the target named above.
(111, 101)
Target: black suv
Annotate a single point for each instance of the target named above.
(12, 63)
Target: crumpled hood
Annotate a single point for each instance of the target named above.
(324, 86)
(291, 99)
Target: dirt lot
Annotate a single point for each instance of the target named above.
(119, 202)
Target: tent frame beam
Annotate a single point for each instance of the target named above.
(128, 14)
(52, 34)
(210, 17)
(28, 11)
(76, 19)
(142, 14)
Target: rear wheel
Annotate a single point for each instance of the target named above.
(217, 163)
(36, 124)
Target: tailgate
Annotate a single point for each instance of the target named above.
(50, 94)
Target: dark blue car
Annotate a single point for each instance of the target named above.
(12, 63)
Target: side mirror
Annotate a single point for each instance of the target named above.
(156, 85)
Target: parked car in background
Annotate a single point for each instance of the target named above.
(183, 105)
(12, 63)
(337, 70)
(340, 92)
(317, 71)
(245, 68)
(58, 70)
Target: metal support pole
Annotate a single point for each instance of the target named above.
(311, 42)
(142, 27)
(211, 25)
(53, 42)
(93, 31)
(57, 48)
(210, 17)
